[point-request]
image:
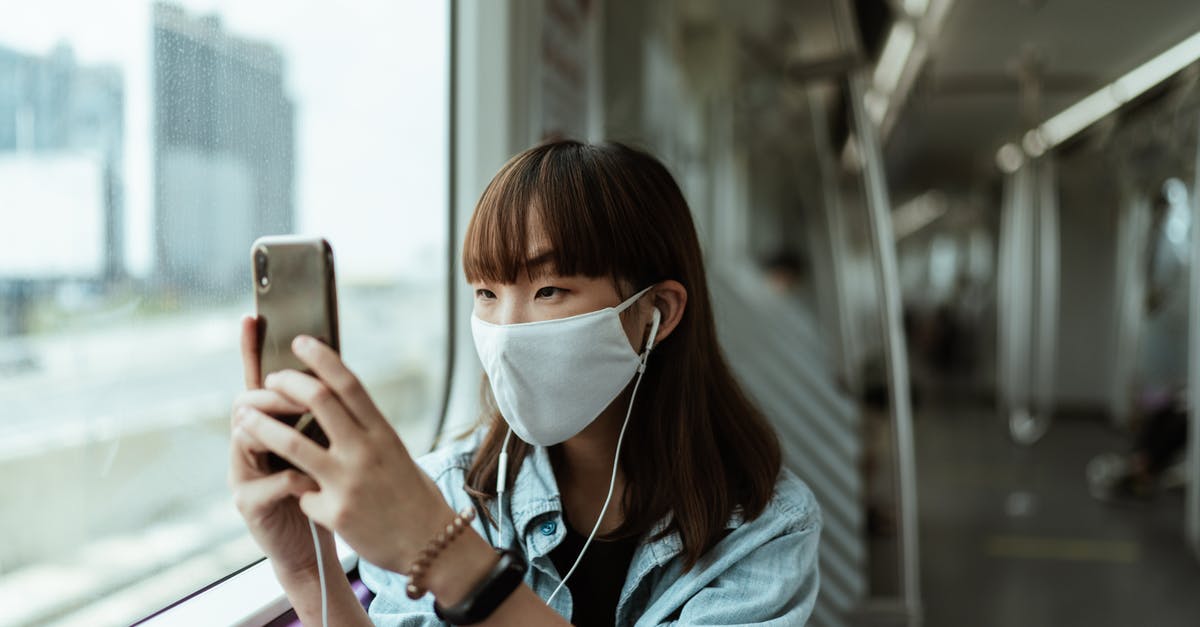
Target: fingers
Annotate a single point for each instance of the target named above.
(327, 365)
(255, 498)
(245, 455)
(251, 364)
(268, 402)
(318, 509)
(246, 452)
(286, 442)
(297, 387)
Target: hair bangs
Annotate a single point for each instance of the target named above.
(545, 212)
(495, 246)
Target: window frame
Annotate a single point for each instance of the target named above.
(252, 595)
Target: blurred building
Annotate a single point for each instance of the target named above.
(223, 150)
(56, 116)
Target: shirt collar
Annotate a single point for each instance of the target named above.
(534, 492)
(535, 497)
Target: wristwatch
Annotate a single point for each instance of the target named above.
(479, 604)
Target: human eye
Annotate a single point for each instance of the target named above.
(483, 293)
(550, 292)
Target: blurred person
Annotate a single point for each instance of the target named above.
(1141, 474)
(785, 271)
(593, 324)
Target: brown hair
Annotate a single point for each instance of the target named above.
(696, 449)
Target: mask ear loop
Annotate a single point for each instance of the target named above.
(616, 457)
(501, 486)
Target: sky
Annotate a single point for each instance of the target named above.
(368, 79)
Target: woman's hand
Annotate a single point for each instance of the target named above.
(268, 501)
(369, 489)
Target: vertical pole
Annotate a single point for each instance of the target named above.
(1046, 331)
(1004, 298)
(490, 92)
(1028, 301)
(888, 284)
(1193, 484)
(895, 348)
(451, 221)
(836, 231)
(1023, 300)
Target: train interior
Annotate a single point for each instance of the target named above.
(949, 246)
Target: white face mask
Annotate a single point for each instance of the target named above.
(552, 378)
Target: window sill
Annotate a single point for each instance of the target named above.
(251, 598)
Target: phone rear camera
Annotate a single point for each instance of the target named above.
(260, 268)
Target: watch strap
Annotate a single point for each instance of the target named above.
(488, 594)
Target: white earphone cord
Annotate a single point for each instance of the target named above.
(616, 459)
(312, 526)
(501, 486)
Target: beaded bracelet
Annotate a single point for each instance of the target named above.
(420, 566)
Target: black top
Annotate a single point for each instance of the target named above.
(596, 585)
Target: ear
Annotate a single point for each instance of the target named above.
(670, 298)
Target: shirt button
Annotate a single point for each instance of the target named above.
(549, 527)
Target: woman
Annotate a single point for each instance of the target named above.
(640, 472)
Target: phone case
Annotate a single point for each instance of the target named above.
(294, 294)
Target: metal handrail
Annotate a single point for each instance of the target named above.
(895, 347)
(1193, 488)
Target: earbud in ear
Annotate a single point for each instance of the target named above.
(654, 329)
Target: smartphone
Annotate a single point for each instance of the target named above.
(294, 294)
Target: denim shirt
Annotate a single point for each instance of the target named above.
(764, 572)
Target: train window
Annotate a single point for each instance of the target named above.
(143, 147)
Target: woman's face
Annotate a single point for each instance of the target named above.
(545, 295)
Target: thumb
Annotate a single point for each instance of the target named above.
(315, 505)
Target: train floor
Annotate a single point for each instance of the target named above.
(1011, 537)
